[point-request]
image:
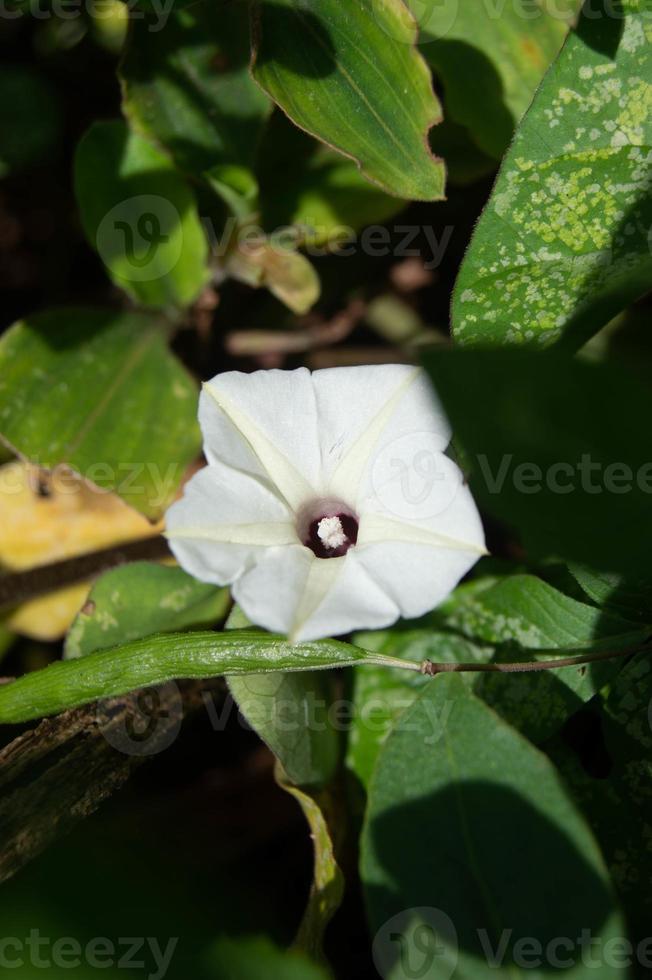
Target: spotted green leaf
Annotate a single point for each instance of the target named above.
(526, 611)
(141, 216)
(139, 599)
(563, 244)
(350, 74)
(72, 384)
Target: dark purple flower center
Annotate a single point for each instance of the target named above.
(331, 535)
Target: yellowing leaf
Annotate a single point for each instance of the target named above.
(46, 519)
(287, 274)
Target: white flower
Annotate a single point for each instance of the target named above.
(327, 503)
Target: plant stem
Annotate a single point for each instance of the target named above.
(431, 669)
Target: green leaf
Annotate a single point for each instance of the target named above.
(553, 450)
(315, 190)
(521, 613)
(489, 65)
(242, 959)
(563, 244)
(625, 596)
(140, 215)
(459, 805)
(290, 712)
(525, 610)
(139, 599)
(155, 660)
(380, 696)
(72, 382)
(188, 87)
(615, 797)
(350, 74)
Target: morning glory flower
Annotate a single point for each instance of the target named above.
(328, 503)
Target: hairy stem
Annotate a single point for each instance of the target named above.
(431, 669)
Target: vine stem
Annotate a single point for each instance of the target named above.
(431, 669)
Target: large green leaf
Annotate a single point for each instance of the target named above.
(490, 60)
(380, 696)
(100, 392)
(503, 621)
(188, 86)
(473, 851)
(157, 659)
(524, 610)
(625, 596)
(290, 712)
(521, 613)
(554, 451)
(350, 74)
(139, 599)
(563, 244)
(140, 215)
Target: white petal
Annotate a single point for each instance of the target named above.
(419, 563)
(425, 494)
(223, 522)
(363, 412)
(354, 601)
(290, 591)
(417, 577)
(265, 424)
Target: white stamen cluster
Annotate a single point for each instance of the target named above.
(331, 533)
